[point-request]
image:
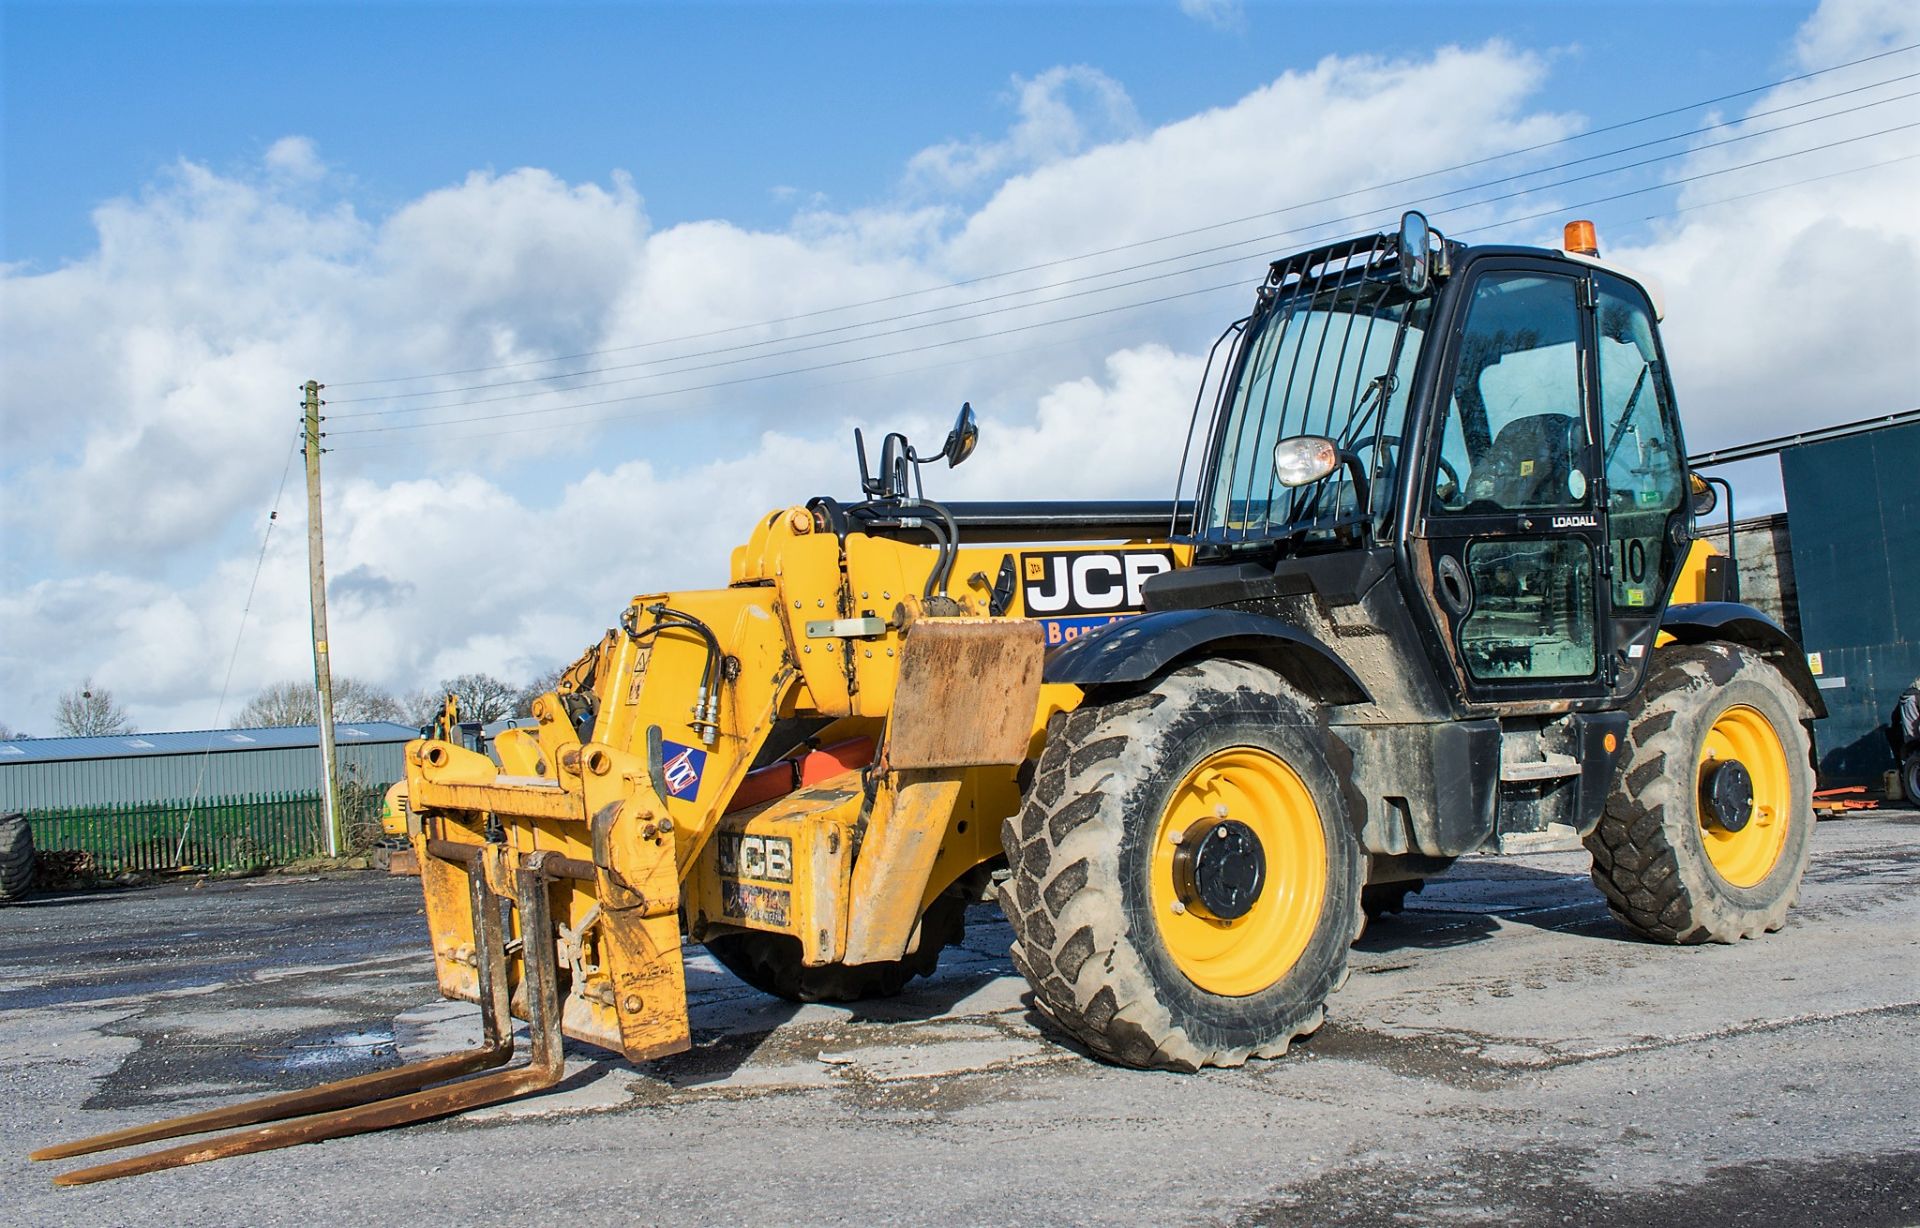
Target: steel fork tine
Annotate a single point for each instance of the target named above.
(496, 1049)
(319, 1099)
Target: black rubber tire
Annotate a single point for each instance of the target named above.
(1910, 778)
(1379, 899)
(1078, 892)
(1649, 858)
(17, 858)
(771, 962)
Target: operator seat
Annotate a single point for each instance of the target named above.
(1530, 464)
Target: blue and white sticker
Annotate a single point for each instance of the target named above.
(682, 766)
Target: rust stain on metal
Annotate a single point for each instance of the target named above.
(390, 1097)
(968, 691)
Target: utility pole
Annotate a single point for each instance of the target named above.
(317, 581)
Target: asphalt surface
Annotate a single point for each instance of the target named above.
(1503, 1054)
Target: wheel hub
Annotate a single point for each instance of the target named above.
(1219, 869)
(1726, 796)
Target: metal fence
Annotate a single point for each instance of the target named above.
(221, 833)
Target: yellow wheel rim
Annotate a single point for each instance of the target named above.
(1248, 954)
(1744, 858)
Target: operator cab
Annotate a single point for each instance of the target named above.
(1492, 425)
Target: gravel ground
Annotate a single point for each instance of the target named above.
(1504, 1053)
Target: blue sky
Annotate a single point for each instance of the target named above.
(713, 108)
(205, 205)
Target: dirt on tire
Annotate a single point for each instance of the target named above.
(1649, 857)
(1077, 891)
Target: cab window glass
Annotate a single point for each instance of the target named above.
(1646, 475)
(1533, 610)
(1514, 436)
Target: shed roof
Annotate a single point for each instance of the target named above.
(197, 741)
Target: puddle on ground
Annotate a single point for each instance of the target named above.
(347, 1047)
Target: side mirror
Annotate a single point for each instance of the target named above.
(962, 438)
(1300, 460)
(1416, 252)
(1705, 497)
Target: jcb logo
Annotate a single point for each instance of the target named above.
(767, 858)
(1088, 582)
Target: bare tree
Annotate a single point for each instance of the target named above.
(524, 697)
(88, 711)
(297, 703)
(482, 696)
(10, 734)
(422, 708)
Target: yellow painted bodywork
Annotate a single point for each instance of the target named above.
(846, 866)
(1691, 585)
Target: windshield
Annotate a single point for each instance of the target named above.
(1337, 361)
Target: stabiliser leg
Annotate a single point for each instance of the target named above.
(392, 1097)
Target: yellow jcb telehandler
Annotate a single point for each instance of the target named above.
(1434, 589)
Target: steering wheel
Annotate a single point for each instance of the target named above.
(1396, 443)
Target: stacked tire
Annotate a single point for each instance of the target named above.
(17, 859)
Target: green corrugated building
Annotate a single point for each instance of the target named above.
(214, 798)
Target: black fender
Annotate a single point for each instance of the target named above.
(1138, 648)
(1698, 622)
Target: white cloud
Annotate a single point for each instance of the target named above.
(1797, 308)
(1062, 111)
(147, 392)
(1306, 136)
(294, 157)
(1842, 30)
(1229, 15)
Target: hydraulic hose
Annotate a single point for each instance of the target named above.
(706, 704)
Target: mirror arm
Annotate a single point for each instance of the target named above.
(1733, 546)
(867, 485)
(1357, 472)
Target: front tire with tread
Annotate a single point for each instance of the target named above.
(1080, 897)
(1649, 852)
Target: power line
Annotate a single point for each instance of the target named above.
(219, 708)
(605, 419)
(1151, 278)
(891, 298)
(748, 379)
(608, 418)
(916, 369)
(1036, 324)
(1238, 243)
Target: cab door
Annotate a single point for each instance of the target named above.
(1642, 466)
(1508, 537)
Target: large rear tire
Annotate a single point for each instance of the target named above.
(1123, 941)
(1673, 866)
(17, 858)
(771, 962)
(1910, 778)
